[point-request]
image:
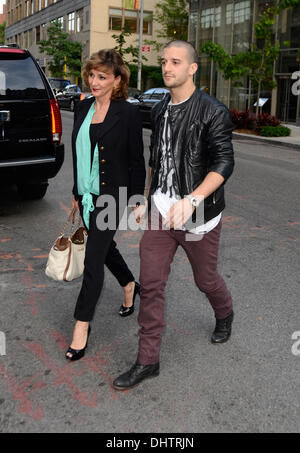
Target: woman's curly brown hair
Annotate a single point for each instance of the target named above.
(108, 60)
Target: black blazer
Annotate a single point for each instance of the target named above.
(120, 145)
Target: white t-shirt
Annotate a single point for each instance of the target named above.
(165, 196)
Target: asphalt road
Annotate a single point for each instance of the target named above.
(250, 384)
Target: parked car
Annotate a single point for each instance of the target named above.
(58, 84)
(133, 95)
(147, 100)
(69, 96)
(31, 151)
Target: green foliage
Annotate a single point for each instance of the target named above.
(2, 33)
(149, 73)
(133, 75)
(173, 17)
(154, 74)
(284, 4)
(258, 63)
(130, 54)
(63, 51)
(275, 131)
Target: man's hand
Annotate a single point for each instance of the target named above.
(179, 213)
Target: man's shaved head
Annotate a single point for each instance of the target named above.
(191, 51)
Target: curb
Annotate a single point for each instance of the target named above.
(256, 138)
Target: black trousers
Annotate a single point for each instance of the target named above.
(101, 250)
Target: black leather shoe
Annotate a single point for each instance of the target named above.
(126, 311)
(135, 375)
(77, 354)
(222, 330)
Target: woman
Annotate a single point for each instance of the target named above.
(107, 148)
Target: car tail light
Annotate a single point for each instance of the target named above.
(11, 50)
(81, 97)
(56, 121)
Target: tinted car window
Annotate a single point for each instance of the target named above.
(20, 81)
(157, 95)
(147, 96)
(59, 84)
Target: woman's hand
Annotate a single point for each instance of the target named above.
(139, 213)
(75, 205)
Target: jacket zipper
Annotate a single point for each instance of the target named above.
(214, 198)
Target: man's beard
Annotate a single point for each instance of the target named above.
(173, 83)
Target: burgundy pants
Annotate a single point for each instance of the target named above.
(157, 249)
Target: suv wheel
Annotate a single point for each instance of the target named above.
(72, 106)
(32, 191)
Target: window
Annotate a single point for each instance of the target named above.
(79, 20)
(61, 21)
(129, 20)
(229, 10)
(45, 3)
(32, 6)
(209, 15)
(40, 5)
(71, 22)
(115, 19)
(37, 34)
(240, 11)
(295, 36)
(147, 23)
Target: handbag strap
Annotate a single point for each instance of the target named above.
(71, 217)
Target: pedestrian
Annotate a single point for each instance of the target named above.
(191, 158)
(107, 147)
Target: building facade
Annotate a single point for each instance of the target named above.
(2, 15)
(92, 22)
(231, 24)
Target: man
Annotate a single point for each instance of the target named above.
(191, 159)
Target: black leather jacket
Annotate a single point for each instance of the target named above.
(201, 131)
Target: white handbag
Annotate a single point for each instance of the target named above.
(66, 257)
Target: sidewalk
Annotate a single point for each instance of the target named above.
(293, 141)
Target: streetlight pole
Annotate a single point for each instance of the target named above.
(139, 79)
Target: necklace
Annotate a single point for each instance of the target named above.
(98, 115)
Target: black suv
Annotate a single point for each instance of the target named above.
(30, 124)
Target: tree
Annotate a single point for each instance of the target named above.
(2, 33)
(130, 51)
(66, 54)
(258, 63)
(173, 17)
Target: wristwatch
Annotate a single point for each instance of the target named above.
(195, 201)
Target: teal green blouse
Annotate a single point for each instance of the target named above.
(88, 178)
